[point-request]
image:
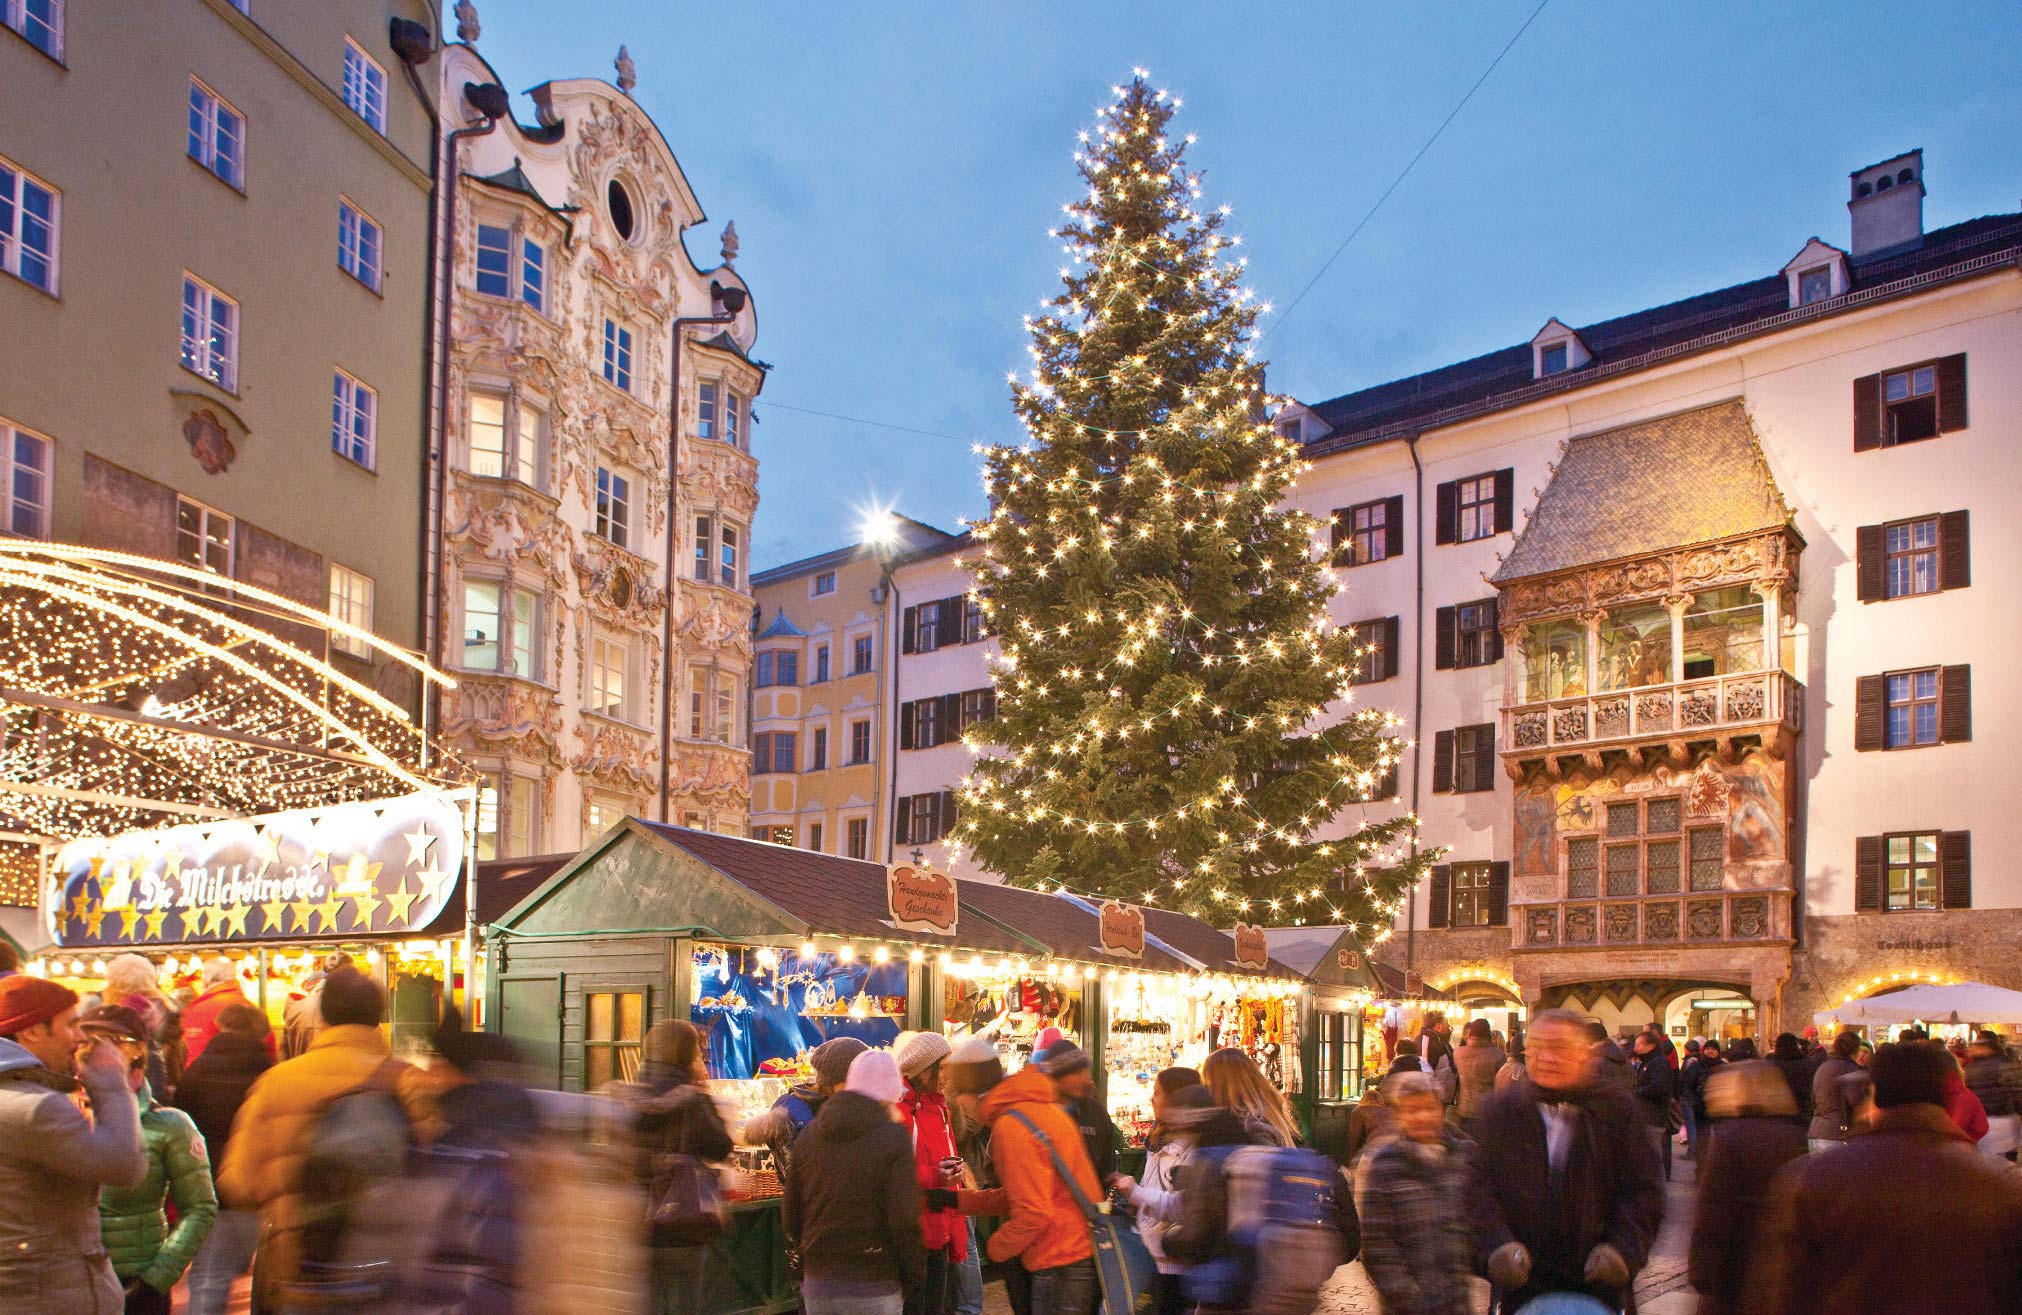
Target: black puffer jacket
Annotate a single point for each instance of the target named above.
(215, 1086)
(853, 1203)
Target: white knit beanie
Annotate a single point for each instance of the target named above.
(920, 1051)
(876, 1074)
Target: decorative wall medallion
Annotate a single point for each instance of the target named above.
(1621, 922)
(1751, 916)
(209, 443)
(1702, 919)
(1708, 797)
(1541, 927)
(1660, 922)
(1580, 925)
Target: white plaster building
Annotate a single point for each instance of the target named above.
(942, 677)
(596, 484)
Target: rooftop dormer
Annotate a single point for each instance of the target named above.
(1817, 273)
(1557, 349)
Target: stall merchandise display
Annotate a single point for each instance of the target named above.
(1157, 1021)
(1009, 1010)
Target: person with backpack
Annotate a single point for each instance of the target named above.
(1156, 1197)
(1262, 1225)
(682, 1139)
(1033, 1140)
(213, 1088)
(316, 1128)
(1239, 1086)
(1410, 1198)
(148, 1256)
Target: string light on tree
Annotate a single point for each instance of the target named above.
(1174, 712)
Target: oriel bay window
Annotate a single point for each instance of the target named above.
(773, 751)
(610, 660)
(507, 437)
(1555, 659)
(777, 668)
(507, 816)
(498, 629)
(1635, 646)
(1644, 848)
(1723, 633)
(714, 698)
(718, 551)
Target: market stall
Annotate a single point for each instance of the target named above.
(1339, 1025)
(1946, 1009)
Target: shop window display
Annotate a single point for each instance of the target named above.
(1157, 1022)
(1009, 1010)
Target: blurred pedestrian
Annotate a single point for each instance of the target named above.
(1407, 1059)
(291, 1118)
(10, 958)
(1838, 1223)
(1614, 1061)
(221, 991)
(1512, 1070)
(54, 1158)
(853, 1204)
(148, 1256)
(131, 980)
(1068, 1068)
(1656, 1086)
(1045, 1231)
(302, 1016)
(1410, 1197)
(1568, 1191)
(1961, 1105)
(1239, 1086)
(1832, 1117)
(1156, 1197)
(1789, 1059)
(1755, 1134)
(1994, 1077)
(923, 1111)
(1477, 1062)
(968, 1075)
(1368, 1119)
(1741, 1050)
(1436, 1048)
(213, 1088)
(1692, 1080)
(681, 1138)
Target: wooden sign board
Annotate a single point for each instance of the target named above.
(1347, 960)
(1253, 950)
(921, 899)
(1122, 929)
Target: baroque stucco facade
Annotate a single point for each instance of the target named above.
(566, 272)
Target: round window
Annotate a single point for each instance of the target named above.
(620, 202)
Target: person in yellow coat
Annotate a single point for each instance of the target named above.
(271, 1137)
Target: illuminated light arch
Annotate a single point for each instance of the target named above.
(1448, 978)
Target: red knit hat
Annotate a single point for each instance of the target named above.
(26, 1001)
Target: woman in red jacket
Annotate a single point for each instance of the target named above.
(937, 1165)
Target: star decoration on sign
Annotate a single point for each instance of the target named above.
(432, 880)
(234, 919)
(273, 910)
(129, 917)
(418, 841)
(154, 921)
(326, 913)
(80, 904)
(92, 921)
(397, 903)
(362, 908)
(268, 844)
(198, 920)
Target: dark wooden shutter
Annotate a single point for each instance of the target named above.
(1505, 500)
(1443, 639)
(906, 725)
(1389, 647)
(954, 623)
(947, 811)
(1393, 526)
(1484, 756)
(1495, 628)
(1871, 564)
(1867, 400)
(1442, 762)
(1439, 900)
(1955, 705)
(951, 718)
(1955, 869)
(1447, 499)
(909, 630)
(1870, 712)
(1955, 557)
(1951, 393)
(902, 820)
(1498, 894)
(1867, 874)
(1339, 556)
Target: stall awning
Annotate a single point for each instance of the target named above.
(1330, 956)
(1960, 1002)
(1067, 929)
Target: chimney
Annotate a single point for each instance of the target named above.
(1886, 202)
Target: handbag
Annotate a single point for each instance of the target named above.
(1122, 1263)
(687, 1201)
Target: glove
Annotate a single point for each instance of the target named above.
(1606, 1267)
(940, 1198)
(1509, 1266)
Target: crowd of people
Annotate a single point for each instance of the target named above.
(1526, 1173)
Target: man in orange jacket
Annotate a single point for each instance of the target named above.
(1045, 1232)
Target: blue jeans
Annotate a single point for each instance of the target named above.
(225, 1254)
(969, 1279)
(1064, 1290)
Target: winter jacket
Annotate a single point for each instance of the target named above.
(1737, 1162)
(1831, 1116)
(53, 1160)
(1693, 1077)
(1655, 1083)
(853, 1203)
(1963, 1106)
(134, 1225)
(1410, 1198)
(1997, 1081)
(262, 1165)
(301, 1021)
(216, 1085)
(1156, 1199)
(1838, 1224)
(924, 1114)
(1203, 1233)
(1797, 1075)
(1615, 1067)
(1098, 1133)
(1611, 1188)
(1046, 1228)
(200, 1020)
(1511, 1073)
(780, 1126)
(1477, 1063)
(1365, 1122)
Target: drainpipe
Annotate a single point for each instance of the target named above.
(492, 101)
(1417, 683)
(733, 302)
(895, 633)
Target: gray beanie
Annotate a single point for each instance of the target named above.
(831, 1060)
(1060, 1059)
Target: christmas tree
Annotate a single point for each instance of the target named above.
(1174, 721)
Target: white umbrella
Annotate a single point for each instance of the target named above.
(1960, 1002)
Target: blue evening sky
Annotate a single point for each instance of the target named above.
(893, 168)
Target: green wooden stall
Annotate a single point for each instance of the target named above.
(1341, 980)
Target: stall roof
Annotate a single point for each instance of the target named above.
(1393, 985)
(1314, 953)
(1214, 948)
(1067, 929)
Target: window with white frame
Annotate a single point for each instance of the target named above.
(203, 537)
(351, 603)
(718, 551)
(533, 274)
(1814, 284)
(820, 663)
(354, 417)
(705, 540)
(40, 23)
(728, 544)
(1475, 507)
(360, 244)
(210, 333)
(603, 815)
(617, 354)
(705, 411)
(364, 85)
(860, 741)
(506, 439)
(498, 629)
(733, 418)
(824, 583)
(610, 661)
(217, 135)
(494, 260)
(614, 505)
(27, 486)
(713, 699)
(508, 816)
(28, 215)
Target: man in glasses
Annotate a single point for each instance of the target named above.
(1569, 1191)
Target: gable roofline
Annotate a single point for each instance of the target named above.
(844, 555)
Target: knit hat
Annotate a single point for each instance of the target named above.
(831, 1060)
(118, 1020)
(972, 1068)
(876, 1074)
(26, 1001)
(1047, 1036)
(921, 1051)
(1060, 1059)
